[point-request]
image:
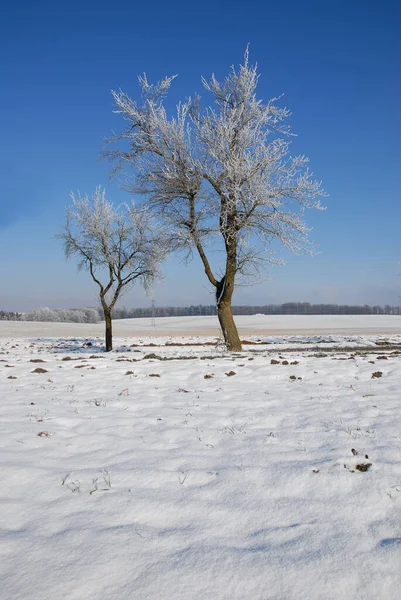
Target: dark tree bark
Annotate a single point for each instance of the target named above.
(109, 331)
(228, 327)
(224, 293)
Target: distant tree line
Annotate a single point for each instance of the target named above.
(164, 311)
(62, 315)
(305, 308)
(70, 315)
(8, 315)
(289, 308)
(94, 315)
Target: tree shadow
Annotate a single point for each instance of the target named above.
(384, 543)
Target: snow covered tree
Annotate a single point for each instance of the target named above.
(61, 315)
(221, 177)
(117, 245)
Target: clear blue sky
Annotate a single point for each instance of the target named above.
(337, 64)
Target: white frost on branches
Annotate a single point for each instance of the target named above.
(219, 174)
(220, 171)
(117, 245)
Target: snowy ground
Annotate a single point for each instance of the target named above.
(195, 474)
(247, 325)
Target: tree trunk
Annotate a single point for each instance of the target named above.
(225, 314)
(109, 331)
(228, 327)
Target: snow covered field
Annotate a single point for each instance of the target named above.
(177, 326)
(178, 472)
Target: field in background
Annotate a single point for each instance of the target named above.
(208, 326)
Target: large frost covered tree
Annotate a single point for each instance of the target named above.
(117, 245)
(219, 176)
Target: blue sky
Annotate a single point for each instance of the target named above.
(337, 64)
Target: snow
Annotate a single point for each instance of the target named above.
(180, 486)
(247, 324)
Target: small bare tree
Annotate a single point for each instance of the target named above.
(117, 245)
(220, 175)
